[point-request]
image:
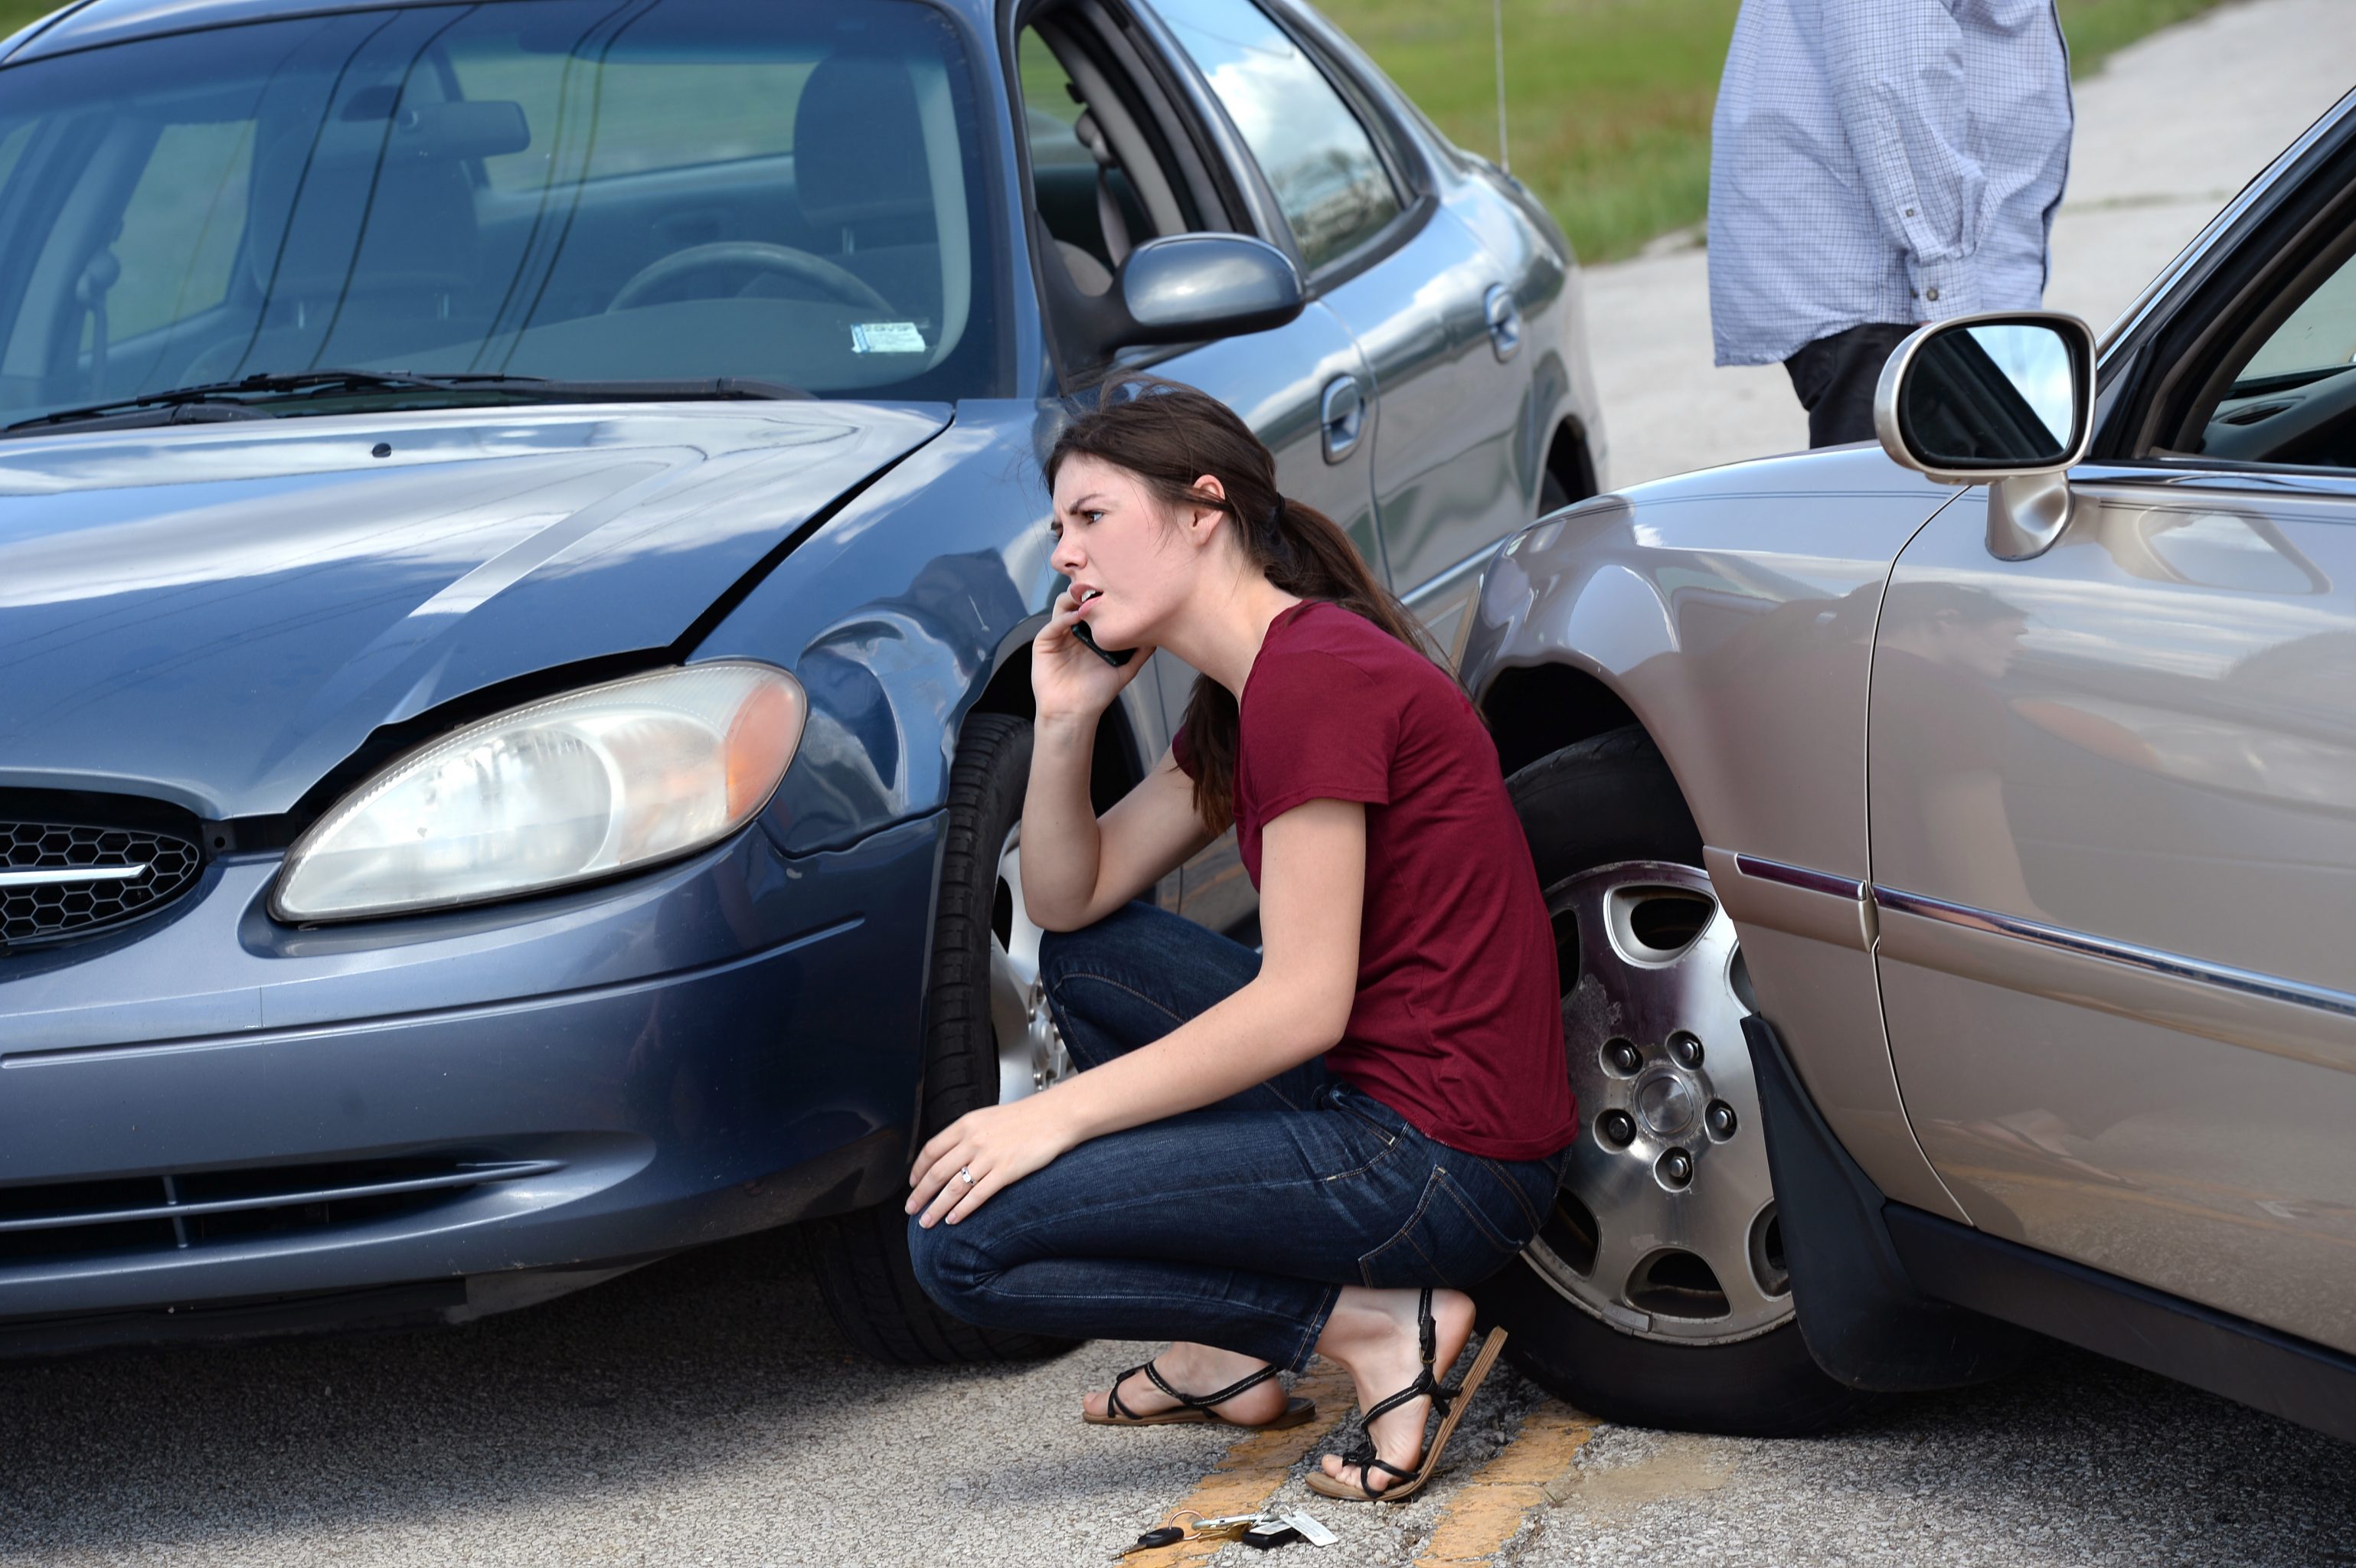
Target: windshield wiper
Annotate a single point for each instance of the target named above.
(265, 395)
(232, 394)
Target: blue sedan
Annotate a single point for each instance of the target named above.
(518, 544)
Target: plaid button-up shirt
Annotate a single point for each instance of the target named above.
(1882, 161)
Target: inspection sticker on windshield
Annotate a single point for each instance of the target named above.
(886, 337)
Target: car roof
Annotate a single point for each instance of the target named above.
(94, 22)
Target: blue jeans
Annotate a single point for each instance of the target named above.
(1236, 1225)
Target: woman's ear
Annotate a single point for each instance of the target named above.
(1203, 517)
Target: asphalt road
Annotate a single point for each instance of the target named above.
(703, 1411)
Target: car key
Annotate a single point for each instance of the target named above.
(1113, 656)
(1269, 1533)
(1168, 1535)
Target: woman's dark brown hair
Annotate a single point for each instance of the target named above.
(1170, 435)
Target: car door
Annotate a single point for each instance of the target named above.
(1426, 301)
(2113, 801)
(1304, 388)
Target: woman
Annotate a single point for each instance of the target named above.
(1310, 1150)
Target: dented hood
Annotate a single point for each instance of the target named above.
(219, 614)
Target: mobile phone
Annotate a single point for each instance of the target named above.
(1113, 656)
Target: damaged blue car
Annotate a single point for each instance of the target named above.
(518, 544)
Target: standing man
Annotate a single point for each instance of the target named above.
(1875, 164)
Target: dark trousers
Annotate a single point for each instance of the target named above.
(1236, 1225)
(1836, 376)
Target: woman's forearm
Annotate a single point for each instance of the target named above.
(1265, 1029)
(1062, 849)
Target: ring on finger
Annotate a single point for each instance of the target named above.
(965, 1173)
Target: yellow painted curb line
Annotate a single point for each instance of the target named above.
(1256, 1464)
(1494, 1500)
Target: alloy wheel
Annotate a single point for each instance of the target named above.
(1665, 1224)
(1031, 1053)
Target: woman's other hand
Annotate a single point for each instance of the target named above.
(999, 1145)
(1067, 680)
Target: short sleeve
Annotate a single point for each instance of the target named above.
(1318, 727)
(1181, 752)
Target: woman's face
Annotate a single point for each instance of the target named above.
(1127, 557)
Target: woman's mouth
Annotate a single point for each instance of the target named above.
(1087, 596)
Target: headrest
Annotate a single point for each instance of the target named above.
(858, 150)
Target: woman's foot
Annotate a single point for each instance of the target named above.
(1373, 1336)
(1199, 1370)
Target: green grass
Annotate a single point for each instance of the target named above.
(1608, 100)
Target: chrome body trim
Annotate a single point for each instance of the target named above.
(1799, 877)
(2151, 961)
(46, 875)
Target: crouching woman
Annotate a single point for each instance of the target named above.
(1316, 1147)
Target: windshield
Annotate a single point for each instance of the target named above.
(786, 192)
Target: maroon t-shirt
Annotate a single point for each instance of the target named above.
(1457, 1025)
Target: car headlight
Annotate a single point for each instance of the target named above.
(583, 786)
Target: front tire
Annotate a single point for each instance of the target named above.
(988, 1039)
(1656, 1293)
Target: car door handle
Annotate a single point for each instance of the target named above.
(1343, 412)
(1505, 319)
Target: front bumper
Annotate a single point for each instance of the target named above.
(568, 1085)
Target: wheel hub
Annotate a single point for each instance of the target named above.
(1666, 1104)
(1665, 1224)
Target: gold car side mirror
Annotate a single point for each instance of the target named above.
(2004, 399)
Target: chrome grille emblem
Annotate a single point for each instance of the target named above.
(71, 874)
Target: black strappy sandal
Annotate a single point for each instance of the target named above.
(1195, 1408)
(1449, 1403)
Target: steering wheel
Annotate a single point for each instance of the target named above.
(838, 285)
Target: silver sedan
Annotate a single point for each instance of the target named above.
(1952, 844)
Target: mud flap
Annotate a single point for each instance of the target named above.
(1863, 1320)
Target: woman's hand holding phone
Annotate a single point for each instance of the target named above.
(1069, 678)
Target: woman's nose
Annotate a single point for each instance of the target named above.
(1067, 557)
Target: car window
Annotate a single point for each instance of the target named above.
(672, 190)
(2319, 335)
(1319, 160)
(653, 112)
(1094, 212)
(2292, 400)
(181, 226)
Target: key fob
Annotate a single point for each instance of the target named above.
(1113, 656)
(1269, 1533)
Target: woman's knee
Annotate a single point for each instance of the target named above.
(949, 1263)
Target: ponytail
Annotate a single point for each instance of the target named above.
(1169, 435)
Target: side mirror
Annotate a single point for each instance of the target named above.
(1186, 287)
(2006, 398)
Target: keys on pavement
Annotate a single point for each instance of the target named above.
(1228, 1527)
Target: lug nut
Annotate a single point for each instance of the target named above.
(1617, 1129)
(1686, 1049)
(1720, 1119)
(1675, 1168)
(1621, 1057)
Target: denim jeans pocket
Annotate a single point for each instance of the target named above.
(1448, 1240)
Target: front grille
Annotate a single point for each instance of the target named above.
(65, 878)
(182, 1211)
